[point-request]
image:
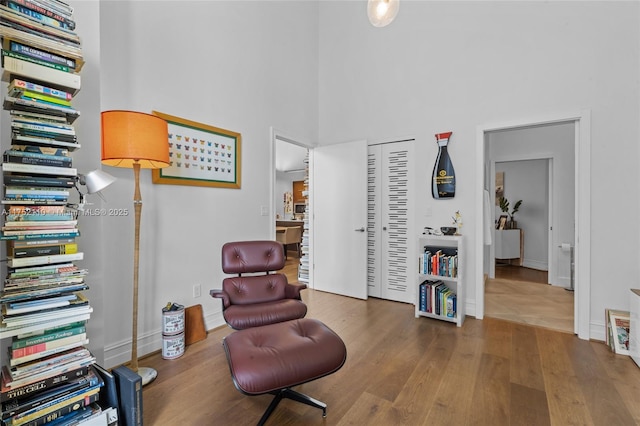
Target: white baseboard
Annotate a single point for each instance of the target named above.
(535, 264)
(120, 353)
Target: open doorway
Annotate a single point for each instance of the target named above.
(531, 276)
(580, 122)
(290, 195)
(524, 194)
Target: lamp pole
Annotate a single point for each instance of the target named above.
(137, 206)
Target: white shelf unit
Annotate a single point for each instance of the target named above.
(456, 284)
(303, 267)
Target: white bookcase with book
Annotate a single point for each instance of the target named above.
(440, 286)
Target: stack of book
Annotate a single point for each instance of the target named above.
(438, 299)
(48, 374)
(303, 268)
(440, 261)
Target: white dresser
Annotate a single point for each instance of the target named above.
(509, 244)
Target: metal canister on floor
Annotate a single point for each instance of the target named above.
(173, 323)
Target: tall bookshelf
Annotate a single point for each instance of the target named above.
(303, 268)
(44, 308)
(440, 270)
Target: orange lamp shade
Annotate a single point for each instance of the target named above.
(130, 137)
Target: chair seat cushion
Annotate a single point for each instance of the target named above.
(240, 317)
(273, 357)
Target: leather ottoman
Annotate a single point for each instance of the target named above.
(273, 358)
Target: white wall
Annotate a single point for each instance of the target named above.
(242, 66)
(86, 159)
(458, 65)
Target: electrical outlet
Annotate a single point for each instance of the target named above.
(197, 290)
(264, 211)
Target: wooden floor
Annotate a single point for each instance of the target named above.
(519, 273)
(521, 295)
(402, 370)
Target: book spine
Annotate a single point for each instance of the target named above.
(40, 385)
(37, 181)
(45, 348)
(36, 161)
(15, 407)
(42, 150)
(43, 102)
(22, 68)
(42, 14)
(44, 55)
(40, 140)
(22, 85)
(39, 243)
(52, 65)
(38, 155)
(45, 134)
(61, 6)
(30, 197)
(60, 393)
(41, 236)
(69, 114)
(31, 115)
(46, 250)
(35, 340)
(66, 48)
(45, 98)
(52, 329)
(56, 410)
(43, 260)
(40, 217)
(16, 124)
(56, 6)
(39, 169)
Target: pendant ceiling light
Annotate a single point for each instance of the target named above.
(382, 12)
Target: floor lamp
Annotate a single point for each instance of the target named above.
(135, 140)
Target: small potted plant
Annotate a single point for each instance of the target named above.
(504, 206)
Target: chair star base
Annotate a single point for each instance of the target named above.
(294, 395)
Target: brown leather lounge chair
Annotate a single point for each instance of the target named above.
(257, 296)
(275, 348)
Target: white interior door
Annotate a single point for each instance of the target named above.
(339, 191)
(389, 226)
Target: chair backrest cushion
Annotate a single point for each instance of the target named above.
(255, 289)
(293, 235)
(242, 257)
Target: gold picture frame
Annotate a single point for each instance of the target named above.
(502, 222)
(200, 155)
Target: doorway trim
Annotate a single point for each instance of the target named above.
(582, 158)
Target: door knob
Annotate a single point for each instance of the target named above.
(360, 229)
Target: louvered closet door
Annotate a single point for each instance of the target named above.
(389, 222)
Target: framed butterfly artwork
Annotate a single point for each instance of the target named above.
(200, 155)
